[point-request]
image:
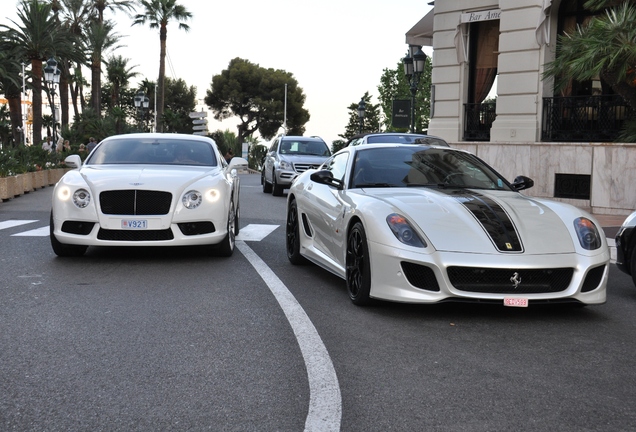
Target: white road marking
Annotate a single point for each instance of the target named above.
(38, 232)
(325, 401)
(14, 223)
(255, 232)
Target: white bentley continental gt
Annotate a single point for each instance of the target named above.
(426, 224)
(147, 190)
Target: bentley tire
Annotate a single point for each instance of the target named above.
(293, 235)
(226, 247)
(358, 266)
(61, 249)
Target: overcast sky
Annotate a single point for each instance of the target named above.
(336, 49)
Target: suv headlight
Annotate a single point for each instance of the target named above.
(284, 165)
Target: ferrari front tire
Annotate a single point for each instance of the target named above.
(358, 266)
(61, 249)
(292, 235)
(632, 265)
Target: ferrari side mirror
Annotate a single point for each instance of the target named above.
(522, 182)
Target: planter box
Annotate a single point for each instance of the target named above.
(39, 179)
(4, 189)
(27, 182)
(15, 186)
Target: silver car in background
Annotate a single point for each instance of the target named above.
(289, 156)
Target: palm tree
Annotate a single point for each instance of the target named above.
(37, 37)
(119, 74)
(99, 38)
(99, 6)
(158, 13)
(10, 86)
(605, 47)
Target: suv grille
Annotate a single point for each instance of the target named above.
(135, 202)
(300, 167)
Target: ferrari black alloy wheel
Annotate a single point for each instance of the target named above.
(293, 235)
(358, 266)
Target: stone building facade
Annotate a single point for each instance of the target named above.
(563, 140)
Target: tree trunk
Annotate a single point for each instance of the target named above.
(163, 34)
(36, 70)
(64, 94)
(622, 88)
(15, 112)
(96, 87)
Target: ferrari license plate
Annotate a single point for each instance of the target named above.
(135, 224)
(515, 302)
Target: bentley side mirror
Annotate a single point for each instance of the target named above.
(73, 161)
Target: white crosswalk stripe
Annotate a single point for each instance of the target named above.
(14, 223)
(38, 232)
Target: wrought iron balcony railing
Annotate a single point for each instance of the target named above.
(478, 119)
(584, 118)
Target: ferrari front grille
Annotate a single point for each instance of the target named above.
(510, 281)
(132, 235)
(420, 276)
(135, 202)
(593, 279)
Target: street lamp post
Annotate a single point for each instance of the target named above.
(361, 111)
(413, 67)
(52, 78)
(141, 103)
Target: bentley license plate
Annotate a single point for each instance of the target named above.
(515, 302)
(134, 224)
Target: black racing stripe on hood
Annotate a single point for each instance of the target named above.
(493, 219)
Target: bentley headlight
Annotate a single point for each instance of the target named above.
(81, 198)
(212, 195)
(588, 234)
(403, 230)
(192, 199)
(63, 193)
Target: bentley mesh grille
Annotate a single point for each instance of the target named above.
(593, 279)
(510, 281)
(300, 167)
(133, 235)
(420, 276)
(135, 202)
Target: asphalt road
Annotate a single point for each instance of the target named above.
(169, 339)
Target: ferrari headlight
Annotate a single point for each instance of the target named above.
(81, 198)
(588, 234)
(192, 199)
(403, 230)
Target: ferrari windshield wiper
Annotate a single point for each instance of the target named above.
(369, 185)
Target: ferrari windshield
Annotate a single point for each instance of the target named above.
(153, 151)
(432, 167)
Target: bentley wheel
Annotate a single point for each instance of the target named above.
(267, 187)
(61, 249)
(226, 247)
(276, 189)
(358, 266)
(293, 235)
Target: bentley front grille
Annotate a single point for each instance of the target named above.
(299, 167)
(132, 235)
(135, 202)
(510, 281)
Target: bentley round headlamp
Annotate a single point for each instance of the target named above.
(81, 198)
(192, 199)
